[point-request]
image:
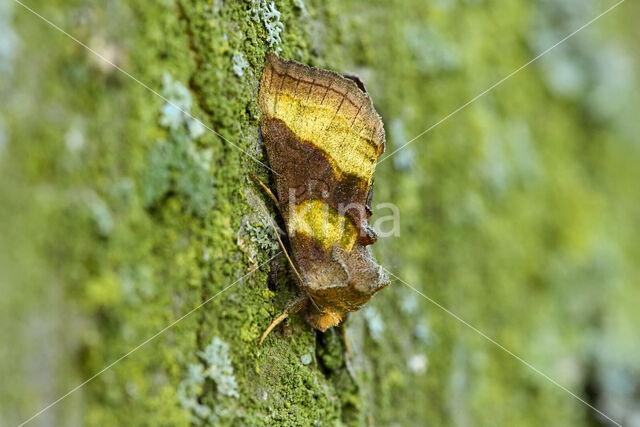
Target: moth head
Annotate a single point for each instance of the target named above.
(343, 285)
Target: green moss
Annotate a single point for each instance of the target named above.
(177, 165)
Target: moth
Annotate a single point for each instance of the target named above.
(323, 138)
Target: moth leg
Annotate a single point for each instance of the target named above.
(292, 307)
(266, 189)
(347, 349)
(343, 332)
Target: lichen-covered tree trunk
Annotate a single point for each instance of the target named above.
(128, 223)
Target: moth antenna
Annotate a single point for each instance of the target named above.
(273, 324)
(286, 253)
(292, 307)
(275, 229)
(345, 341)
(315, 304)
(265, 188)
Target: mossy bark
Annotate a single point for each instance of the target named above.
(121, 214)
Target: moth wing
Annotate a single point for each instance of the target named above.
(324, 111)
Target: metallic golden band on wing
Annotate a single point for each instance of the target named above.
(331, 132)
(319, 221)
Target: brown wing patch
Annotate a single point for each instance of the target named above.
(304, 170)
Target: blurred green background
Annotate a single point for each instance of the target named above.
(118, 214)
